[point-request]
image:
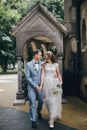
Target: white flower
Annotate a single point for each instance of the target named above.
(35, 67)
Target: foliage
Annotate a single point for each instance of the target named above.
(12, 11)
(56, 7)
(8, 17)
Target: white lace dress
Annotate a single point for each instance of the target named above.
(52, 100)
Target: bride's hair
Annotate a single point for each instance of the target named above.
(51, 56)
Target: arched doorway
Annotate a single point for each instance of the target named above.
(40, 42)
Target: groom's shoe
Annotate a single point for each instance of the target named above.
(39, 116)
(34, 124)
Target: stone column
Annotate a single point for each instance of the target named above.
(25, 55)
(19, 95)
(20, 92)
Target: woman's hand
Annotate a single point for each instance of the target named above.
(38, 88)
(60, 82)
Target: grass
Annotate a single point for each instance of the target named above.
(9, 71)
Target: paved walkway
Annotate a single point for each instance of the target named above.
(74, 115)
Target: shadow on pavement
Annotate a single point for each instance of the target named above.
(13, 119)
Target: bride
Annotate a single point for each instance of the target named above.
(51, 77)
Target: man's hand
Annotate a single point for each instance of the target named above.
(38, 88)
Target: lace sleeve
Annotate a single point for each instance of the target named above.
(57, 65)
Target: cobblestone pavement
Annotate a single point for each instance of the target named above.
(74, 114)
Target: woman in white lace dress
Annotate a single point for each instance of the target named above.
(49, 79)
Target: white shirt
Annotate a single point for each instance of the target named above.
(36, 65)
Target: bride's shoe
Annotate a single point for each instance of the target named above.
(51, 124)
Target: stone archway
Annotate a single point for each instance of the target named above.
(37, 25)
(40, 42)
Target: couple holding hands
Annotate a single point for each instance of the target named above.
(42, 77)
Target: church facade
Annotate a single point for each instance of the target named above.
(75, 48)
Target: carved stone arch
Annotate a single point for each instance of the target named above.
(56, 37)
(44, 49)
(33, 45)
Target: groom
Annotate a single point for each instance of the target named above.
(33, 74)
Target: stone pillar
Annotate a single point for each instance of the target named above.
(20, 92)
(25, 56)
(25, 62)
(19, 95)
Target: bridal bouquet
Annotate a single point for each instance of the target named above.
(56, 89)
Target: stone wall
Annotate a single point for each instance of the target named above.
(83, 32)
(70, 23)
(70, 48)
(71, 40)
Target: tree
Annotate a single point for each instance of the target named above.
(8, 17)
(12, 11)
(57, 9)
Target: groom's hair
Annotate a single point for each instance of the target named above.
(36, 51)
